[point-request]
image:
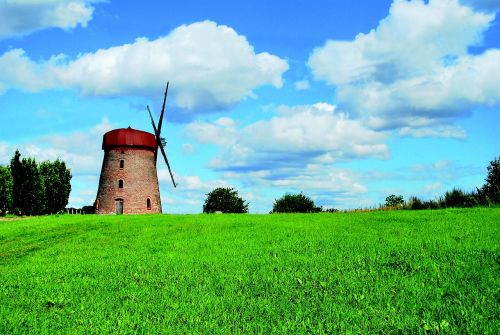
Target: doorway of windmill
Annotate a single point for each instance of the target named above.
(119, 206)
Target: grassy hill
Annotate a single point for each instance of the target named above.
(378, 272)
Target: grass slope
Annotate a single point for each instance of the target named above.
(379, 272)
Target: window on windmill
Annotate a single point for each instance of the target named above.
(148, 203)
(120, 183)
(122, 163)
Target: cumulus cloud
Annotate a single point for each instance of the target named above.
(302, 85)
(22, 17)
(210, 67)
(414, 70)
(80, 150)
(297, 136)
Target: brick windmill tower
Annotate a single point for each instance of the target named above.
(129, 180)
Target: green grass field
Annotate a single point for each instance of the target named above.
(418, 272)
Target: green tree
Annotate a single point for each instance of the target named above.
(5, 190)
(27, 191)
(295, 203)
(394, 201)
(491, 188)
(225, 200)
(56, 180)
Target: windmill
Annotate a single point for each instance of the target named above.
(129, 180)
(160, 141)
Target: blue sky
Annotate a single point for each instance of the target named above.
(346, 101)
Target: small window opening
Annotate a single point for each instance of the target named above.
(122, 163)
(120, 183)
(148, 203)
(97, 204)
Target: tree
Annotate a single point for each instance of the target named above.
(295, 203)
(56, 180)
(394, 201)
(16, 172)
(5, 190)
(225, 200)
(27, 191)
(491, 188)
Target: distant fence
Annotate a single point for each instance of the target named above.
(81, 211)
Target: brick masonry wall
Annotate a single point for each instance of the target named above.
(140, 182)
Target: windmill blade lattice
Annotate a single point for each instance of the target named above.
(160, 141)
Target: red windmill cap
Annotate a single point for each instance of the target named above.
(128, 137)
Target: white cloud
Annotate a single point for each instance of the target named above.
(302, 85)
(291, 152)
(188, 148)
(79, 150)
(439, 131)
(209, 65)
(22, 17)
(296, 136)
(326, 185)
(414, 68)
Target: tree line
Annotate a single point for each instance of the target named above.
(487, 195)
(227, 200)
(31, 188)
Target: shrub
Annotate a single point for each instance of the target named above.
(457, 198)
(225, 200)
(431, 204)
(394, 201)
(491, 189)
(415, 203)
(295, 203)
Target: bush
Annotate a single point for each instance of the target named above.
(457, 198)
(295, 203)
(491, 189)
(431, 204)
(394, 201)
(415, 203)
(225, 200)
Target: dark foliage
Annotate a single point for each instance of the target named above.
(28, 191)
(88, 209)
(491, 188)
(394, 201)
(457, 198)
(56, 179)
(225, 200)
(5, 190)
(295, 203)
(39, 188)
(415, 203)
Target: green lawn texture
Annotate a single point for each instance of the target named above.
(408, 272)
